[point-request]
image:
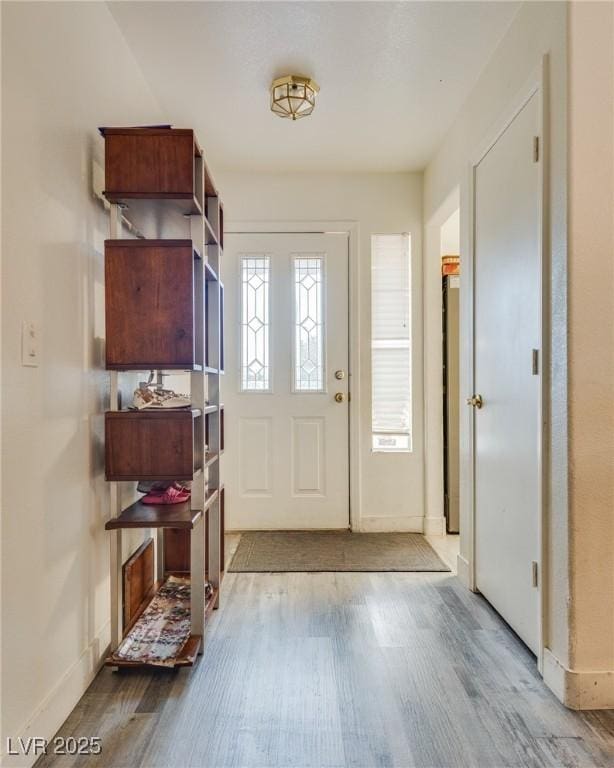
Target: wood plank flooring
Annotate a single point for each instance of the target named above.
(342, 669)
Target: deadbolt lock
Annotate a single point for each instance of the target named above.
(476, 401)
(340, 375)
(339, 397)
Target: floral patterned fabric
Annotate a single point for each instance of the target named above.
(163, 628)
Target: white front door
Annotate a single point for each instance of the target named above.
(507, 292)
(286, 462)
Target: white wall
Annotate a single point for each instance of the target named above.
(589, 678)
(65, 70)
(391, 484)
(450, 235)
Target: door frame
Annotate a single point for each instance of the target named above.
(537, 84)
(351, 230)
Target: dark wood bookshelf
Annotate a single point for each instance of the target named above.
(163, 310)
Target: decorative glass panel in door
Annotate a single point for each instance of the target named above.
(255, 367)
(309, 327)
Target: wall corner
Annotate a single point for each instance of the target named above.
(578, 689)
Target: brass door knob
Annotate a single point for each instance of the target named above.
(476, 401)
(339, 397)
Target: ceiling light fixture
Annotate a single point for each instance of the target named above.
(293, 96)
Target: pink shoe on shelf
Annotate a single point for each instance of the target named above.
(171, 495)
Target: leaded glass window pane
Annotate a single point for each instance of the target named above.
(309, 325)
(255, 365)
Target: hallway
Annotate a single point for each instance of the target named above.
(307, 267)
(342, 669)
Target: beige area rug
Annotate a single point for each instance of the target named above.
(282, 551)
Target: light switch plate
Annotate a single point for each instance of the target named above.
(29, 344)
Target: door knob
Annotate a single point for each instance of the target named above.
(339, 397)
(476, 401)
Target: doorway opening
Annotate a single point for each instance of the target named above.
(450, 305)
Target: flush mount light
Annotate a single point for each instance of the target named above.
(293, 96)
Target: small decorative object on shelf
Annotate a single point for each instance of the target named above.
(450, 265)
(163, 307)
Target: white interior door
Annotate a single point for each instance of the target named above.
(507, 293)
(286, 462)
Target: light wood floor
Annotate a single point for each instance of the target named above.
(342, 669)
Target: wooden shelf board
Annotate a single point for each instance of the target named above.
(155, 413)
(187, 367)
(140, 130)
(184, 203)
(139, 515)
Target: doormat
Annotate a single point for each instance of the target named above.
(314, 551)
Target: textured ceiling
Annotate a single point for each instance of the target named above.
(393, 75)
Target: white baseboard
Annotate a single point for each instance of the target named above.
(59, 702)
(277, 529)
(435, 526)
(400, 524)
(462, 570)
(578, 689)
(431, 526)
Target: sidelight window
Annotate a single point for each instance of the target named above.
(391, 342)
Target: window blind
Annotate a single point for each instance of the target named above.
(391, 342)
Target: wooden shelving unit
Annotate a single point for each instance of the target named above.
(164, 304)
